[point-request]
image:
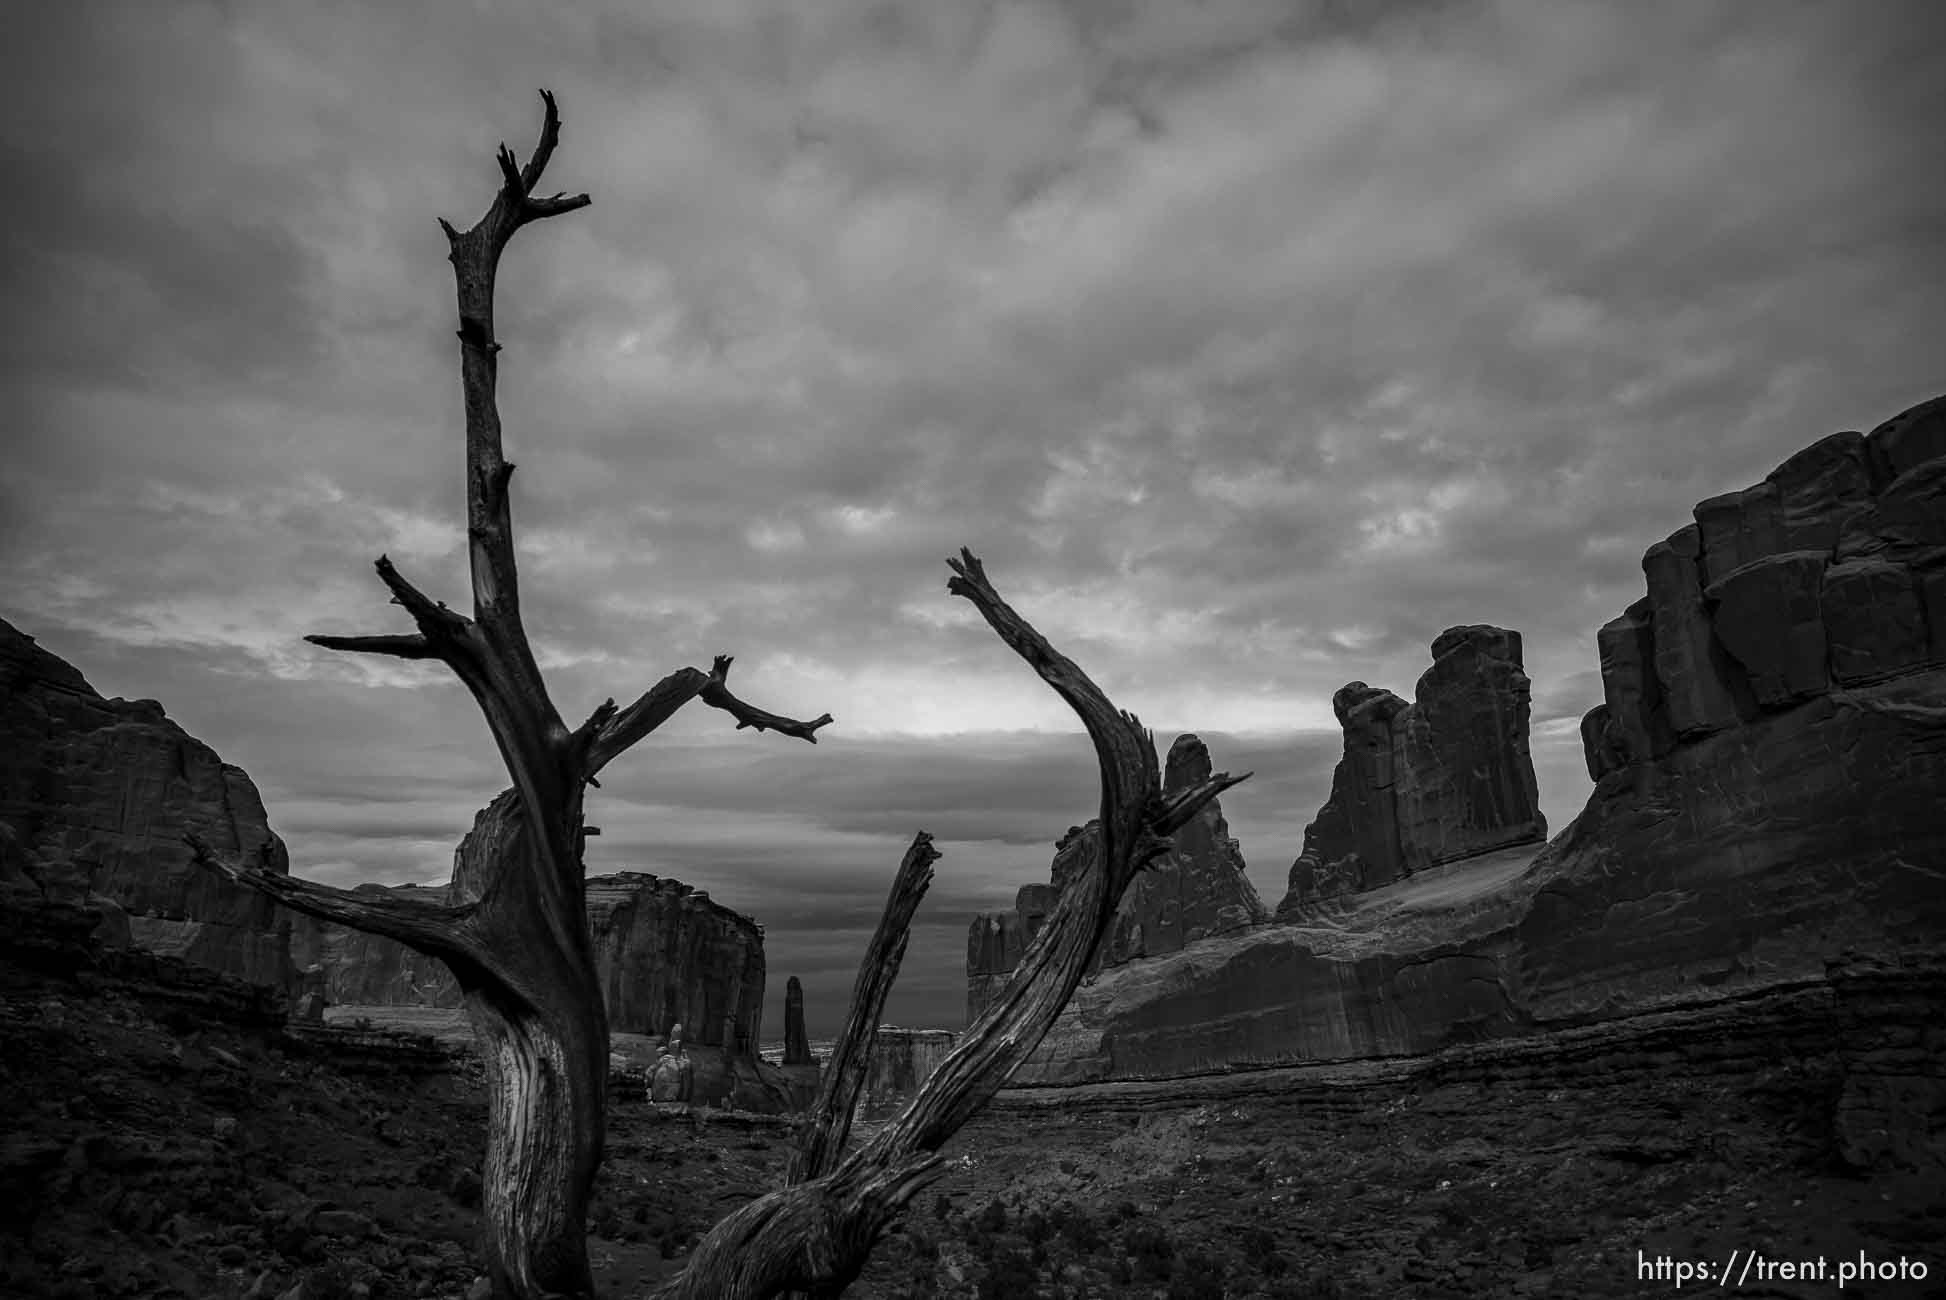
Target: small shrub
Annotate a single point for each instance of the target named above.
(1009, 1276)
(1258, 1244)
(1155, 1254)
(993, 1218)
(1199, 1278)
(1082, 1232)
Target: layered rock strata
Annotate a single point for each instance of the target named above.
(901, 1062)
(1200, 888)
(1446, 777)
(98, 795)
(1830, 574)
(1752, 822)
(667, 955)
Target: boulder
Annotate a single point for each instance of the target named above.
(99, 794)
(1446, 777)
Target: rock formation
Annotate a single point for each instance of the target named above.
(1770, 757)
(1827, 575)
(666, 953)
(801, 1071)
(797, 1044)
(367, 970)
(98, 794)
(1199, 888)
(1446, 777)
(902, 1060)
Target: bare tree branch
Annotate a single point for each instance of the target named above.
(660, 702)
(1123, 750)
(717, 695)
(815, 1236)
(657, 705)
(410, 645)
(432, 928)
(823, 1139)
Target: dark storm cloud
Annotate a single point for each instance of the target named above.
(1251, 345)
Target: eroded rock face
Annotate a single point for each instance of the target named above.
(1446, 777)
(667, 955)
(1199, 889)
(902, 1060)
(368, 970)
(1755, 822)
(1831, 573)
(99, 793)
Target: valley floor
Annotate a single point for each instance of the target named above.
(150, 1151)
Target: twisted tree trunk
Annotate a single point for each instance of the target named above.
(514, 930)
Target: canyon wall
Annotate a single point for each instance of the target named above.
(667, 955)
(97, 795)
(1198, 889)
(1770, 799)
(1446, 777)
(902, 1060)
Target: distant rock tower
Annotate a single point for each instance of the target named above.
(801, 1071)
(1445, 777)
(797, 1045)
(1197, 889)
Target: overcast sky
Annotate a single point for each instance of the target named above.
(1250, 344)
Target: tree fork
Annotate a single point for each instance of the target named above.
(516, 931)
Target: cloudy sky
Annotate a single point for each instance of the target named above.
(1251, 344)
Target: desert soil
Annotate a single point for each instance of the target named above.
(149, 1154)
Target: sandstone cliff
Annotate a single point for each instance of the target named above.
(1446, 777)
(98, 794)
(1771, 798)
(902, 1060)
(667, 955)
(1199, 889)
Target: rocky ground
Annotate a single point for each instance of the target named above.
(156, 1148)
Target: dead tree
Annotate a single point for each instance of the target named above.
(813, 1235)
(515, 929)
(515, 933)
